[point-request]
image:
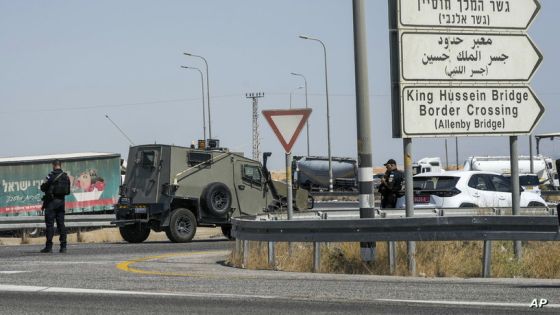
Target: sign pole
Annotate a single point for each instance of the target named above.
(289, 185)
(515, 193)
(409, 197)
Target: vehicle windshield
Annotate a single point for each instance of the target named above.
(435, 182)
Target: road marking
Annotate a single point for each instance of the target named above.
(42, 289)
(11, 272)
(127, 265)
(39, 289)
(467, 303)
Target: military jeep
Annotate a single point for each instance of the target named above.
(175, 189)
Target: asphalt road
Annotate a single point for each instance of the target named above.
(167, 278)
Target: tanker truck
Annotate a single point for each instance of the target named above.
(312, 173)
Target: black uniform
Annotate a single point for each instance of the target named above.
(391, 189)
(53, 205)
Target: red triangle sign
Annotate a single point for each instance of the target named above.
(287, 124)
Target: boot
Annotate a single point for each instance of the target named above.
(46, 250)
(63, 250)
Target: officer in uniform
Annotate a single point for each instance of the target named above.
(53, 206)
(391, 185)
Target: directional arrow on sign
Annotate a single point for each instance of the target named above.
(468, 57)
(492, 14)
(469, 110)
(287, 124)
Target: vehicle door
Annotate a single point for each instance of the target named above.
(502, 190)
(250, 187)
(143, 177)
(479, 188)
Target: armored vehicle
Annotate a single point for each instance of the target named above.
(175, 189)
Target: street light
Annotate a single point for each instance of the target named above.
(307, 122)
(292, 92)
(328, 111)
(203, 110)
(207, 93)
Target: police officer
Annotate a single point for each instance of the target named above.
(391, 185)
(53, 205)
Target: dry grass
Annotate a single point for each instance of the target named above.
(433, 259)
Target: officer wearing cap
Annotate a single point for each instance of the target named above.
(391, 185)
(53, 205)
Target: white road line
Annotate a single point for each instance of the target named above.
(469, 303)
(11, 272)
(25, 288)
(39, 289)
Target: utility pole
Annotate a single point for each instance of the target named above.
(256, 135)
(365, 163)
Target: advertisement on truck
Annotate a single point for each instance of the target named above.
(94, 177)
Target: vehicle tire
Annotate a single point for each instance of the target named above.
(216, 199)
(182, 226)
(468, 205)
(226, 230)
(135, 233)
(535, 204)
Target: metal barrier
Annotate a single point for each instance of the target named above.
(31, 222)
(432, 226)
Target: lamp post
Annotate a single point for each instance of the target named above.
(292, 92)
(328, 111)
(207, 93)
(203, 110)
(307, 122)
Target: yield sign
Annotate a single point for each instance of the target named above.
(287, 124)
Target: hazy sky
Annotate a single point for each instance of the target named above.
(65, 64)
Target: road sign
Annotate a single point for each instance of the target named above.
(454, 48)
(287, 124)
(492, 14)
(472, 110)
(467, 57)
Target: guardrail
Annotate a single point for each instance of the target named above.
(32, 222)
(427, 225)
(542, 228)
(333, 193)
(354, 212)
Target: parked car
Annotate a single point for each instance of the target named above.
(467, 189)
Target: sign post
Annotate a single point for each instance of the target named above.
(287, 124)
(463, 68)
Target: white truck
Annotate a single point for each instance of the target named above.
(544, 167)
(426, 165)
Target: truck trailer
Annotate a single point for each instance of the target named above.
(544, 167)
(94, 177)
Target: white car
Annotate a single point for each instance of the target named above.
(466, 189)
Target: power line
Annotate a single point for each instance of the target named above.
(179, 100)
(77, 108)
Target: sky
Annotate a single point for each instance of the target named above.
(67, 64)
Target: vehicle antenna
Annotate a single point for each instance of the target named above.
(116, 126)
